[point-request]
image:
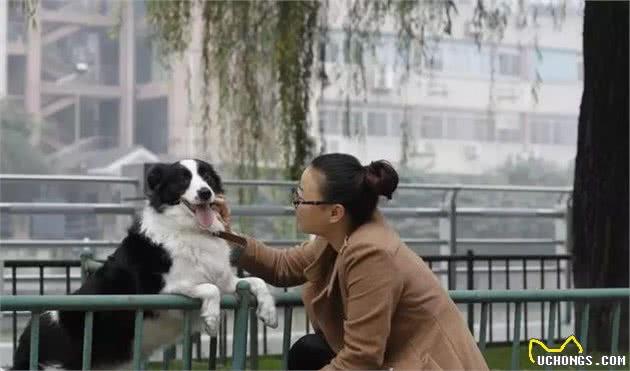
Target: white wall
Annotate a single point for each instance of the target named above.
(3, 47)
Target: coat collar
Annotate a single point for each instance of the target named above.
(319, 268)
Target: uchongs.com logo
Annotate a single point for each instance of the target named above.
(554, 356)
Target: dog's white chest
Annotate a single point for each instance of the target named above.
(196, 261)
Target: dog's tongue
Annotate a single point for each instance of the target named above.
(203, 215)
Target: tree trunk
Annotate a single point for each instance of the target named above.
(600, 195)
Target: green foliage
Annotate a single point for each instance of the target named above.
(260, 62)
(17, 155)
(261, 59)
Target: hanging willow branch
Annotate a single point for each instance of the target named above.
(259, 61)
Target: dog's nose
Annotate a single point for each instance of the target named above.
(204, 194)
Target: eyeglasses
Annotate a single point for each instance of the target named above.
(297, 200)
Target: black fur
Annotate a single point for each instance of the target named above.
(136, 267)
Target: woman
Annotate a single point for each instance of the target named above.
(372, 301)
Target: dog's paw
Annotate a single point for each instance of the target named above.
(266, 311)
(211, 325)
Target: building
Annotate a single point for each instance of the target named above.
(92, 88)
(458, 119)
(96, 91)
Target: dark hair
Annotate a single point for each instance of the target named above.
(355, 186)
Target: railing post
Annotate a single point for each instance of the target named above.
(470, 285)
(448, 232)
(34, 349)
(241, 317)
(566, 265)
(253, 341)
(1, 283)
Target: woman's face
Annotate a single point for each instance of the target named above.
(313, 219)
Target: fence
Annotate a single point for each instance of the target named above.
(456, 270)
(447, 213)
(243, 301)
(474, 268)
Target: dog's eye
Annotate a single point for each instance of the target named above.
(183, 181)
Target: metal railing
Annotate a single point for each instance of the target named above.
(478, 271)
(447, 213)
(244, 301)
(240, 303)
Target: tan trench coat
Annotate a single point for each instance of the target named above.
(377, 303)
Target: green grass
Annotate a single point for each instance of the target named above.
(498, 358)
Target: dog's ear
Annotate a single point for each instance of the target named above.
(218, 188)
(154, 176)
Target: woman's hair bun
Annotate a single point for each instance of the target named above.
(382, 178)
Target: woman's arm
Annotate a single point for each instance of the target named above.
(278, 267)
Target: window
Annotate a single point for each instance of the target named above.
(558, 65)
(396, 124)
(431, 126)
(540, 131)
(331, 52)
(509, 64)
(565, 132)
(509, 129)
(352, 51)
(460, 128)
(377, 124)
(484, 129)
(357, 124)
(470, 126)
(329, 123)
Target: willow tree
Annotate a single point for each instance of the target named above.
(263, 60)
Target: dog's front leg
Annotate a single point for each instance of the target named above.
(211, 304)
(266, 309)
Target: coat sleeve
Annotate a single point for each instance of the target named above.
(278, 267)
(373, 291)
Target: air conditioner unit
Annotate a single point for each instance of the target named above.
(437, 89)
(383, 78)
(471, 30)
(425, 149)
(471, 152)
(507, 93)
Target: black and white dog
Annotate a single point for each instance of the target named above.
(165, 251)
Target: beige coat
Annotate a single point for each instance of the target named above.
(376, 302)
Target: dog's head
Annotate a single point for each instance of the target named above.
(185, 191)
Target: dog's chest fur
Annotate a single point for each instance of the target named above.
(196, 259)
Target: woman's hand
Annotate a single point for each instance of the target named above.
(220, 205)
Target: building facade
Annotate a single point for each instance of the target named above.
(90, 71)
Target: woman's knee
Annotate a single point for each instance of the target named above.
(310, 352)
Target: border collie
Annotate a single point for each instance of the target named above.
(166, 251)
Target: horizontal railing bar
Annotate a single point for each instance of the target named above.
(485, 257)
(424, 186)
(481, 296)
(285, 183)
(128, 302)
(58, 243)
(68, 178)
(66, 208)
(272, 210)
(27, 263)
(58, 279)
(408, 241)
(105, 302)
(481, 187)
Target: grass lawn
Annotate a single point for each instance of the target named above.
(498, 358)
